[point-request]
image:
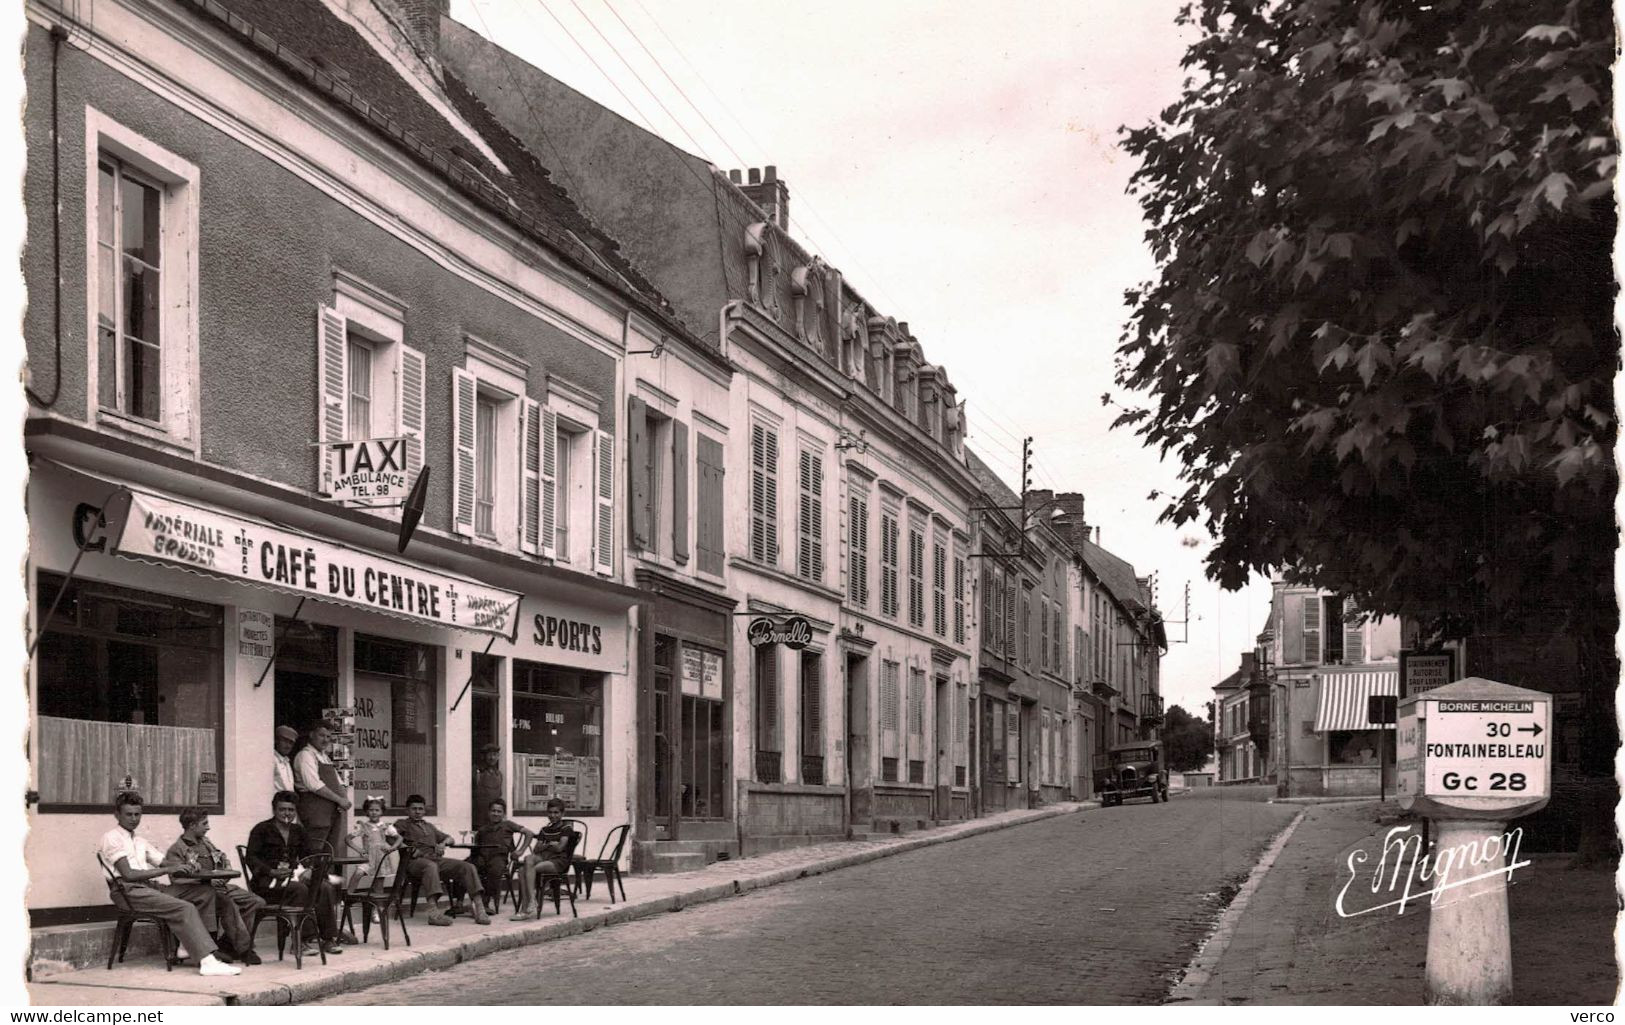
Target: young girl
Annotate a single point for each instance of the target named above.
(376, 841)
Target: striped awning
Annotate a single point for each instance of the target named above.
(1343, 704)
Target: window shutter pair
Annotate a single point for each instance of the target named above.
(538, 488)
(858, 551)
(709, 516)
(810, 518)
(764, 494)
(332, 416)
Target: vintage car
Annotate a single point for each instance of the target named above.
(1133, 770)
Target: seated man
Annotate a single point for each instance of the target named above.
(273, 859)
(549, 857)
(238, 909)
(426, 862)
(493, 842)
(143, 870)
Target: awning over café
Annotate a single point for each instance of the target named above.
(164, 531)
(1343, 699)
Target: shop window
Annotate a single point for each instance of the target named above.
(142, 206)
(769, 745)
(811, 717)
(399, 682)
(558, 739)
(703, 752)
(1353, 747)
(130, 694)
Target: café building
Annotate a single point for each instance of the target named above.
(182, 613)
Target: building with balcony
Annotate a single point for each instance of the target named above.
(1325, 662)
(285, 231)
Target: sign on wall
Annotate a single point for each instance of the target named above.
(795, 632)
(1423, 671)
(255, 633)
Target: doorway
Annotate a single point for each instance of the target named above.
(859, 783)
(307, 673)
(487, 733)
(945, 750)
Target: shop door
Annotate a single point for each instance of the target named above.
(307, 673)
(993, 755)
(859, 782)
(665, 765)
(702, 743)
(945, 750)
(487, 733)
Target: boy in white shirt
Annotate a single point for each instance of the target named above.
(144, 872)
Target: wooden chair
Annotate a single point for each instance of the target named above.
(117, 889)
(380, 898)
(607, 862)
(291, 918)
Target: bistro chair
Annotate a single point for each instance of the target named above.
(118, 890)
(291, 918)
(580, 827)
(379, 897)
(607, 862)
(516, 861)
(557, 884)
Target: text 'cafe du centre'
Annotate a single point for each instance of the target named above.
(181, 619)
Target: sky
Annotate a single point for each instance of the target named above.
(959, 163)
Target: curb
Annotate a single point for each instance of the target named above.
(1200, 970)
(403, 961)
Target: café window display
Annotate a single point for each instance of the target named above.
(558, 739)
(1355, 747)
(395, 689)
(130, 694)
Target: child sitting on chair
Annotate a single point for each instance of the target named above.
(549, 856)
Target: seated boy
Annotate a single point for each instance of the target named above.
(179, 906)
(426, 862)
(493, 842)
(549, 857)
(238, 909)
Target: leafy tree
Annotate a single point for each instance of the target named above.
(1187, 742)
(1380, 339)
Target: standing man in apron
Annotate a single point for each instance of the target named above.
(322, 800)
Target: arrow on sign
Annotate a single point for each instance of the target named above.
(1535, 729)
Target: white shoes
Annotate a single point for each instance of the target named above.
(211, 965)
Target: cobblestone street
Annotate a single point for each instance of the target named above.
(1102, 907)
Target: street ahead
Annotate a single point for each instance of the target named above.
(1105, 906)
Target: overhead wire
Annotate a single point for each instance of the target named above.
(594, 61)
(639, 78)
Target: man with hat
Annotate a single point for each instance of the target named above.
(282, 769)
(487, 782)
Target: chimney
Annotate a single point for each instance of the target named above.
(1070, 524)
(1247, 666)
(766, 190)
(420, 21)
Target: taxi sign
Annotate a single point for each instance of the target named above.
(1474, 749)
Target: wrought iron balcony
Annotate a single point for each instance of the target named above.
(812, 769)
(769, 767)
(1151, 708)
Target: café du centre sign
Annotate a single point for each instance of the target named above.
(1475, 749)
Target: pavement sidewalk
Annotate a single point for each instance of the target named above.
(1288, 945)
(144, 981)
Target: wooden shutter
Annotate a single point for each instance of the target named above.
(603, 556)
(464, 393)
(767, 698)
(810, 517)
(812, 704)
(1292, 629)
(1043, 633)
(764, 494)
(530, 476)
(857, 540)
(548, 484)
(709, 512)
(679, 491)
(1012, 744)
(1353, 635)
(1311, 628)
(332, 405)
(637, 447)
(888, 564)
(409, 408)
(817, 469)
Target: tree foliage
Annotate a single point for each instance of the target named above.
(1187, 742)
(1380, 339)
